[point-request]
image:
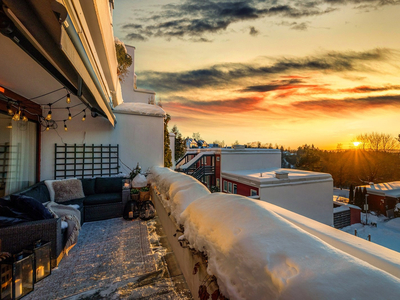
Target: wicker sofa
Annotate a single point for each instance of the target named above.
(103, 200)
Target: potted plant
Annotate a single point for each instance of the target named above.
(135, 194)
(144, 193)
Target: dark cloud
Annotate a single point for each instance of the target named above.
(136, 37)
(194, 18)
(278, 85)
(227, 106)
(350, 104)
(253, 31)
(295, 25)
(369, 89)
(132, 26)
(224, 75)
(301, 26)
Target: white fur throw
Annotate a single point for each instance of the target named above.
(64, 190)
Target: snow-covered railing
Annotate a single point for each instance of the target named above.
(256, 253)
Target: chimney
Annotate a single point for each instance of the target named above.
(131, 51)
(282, 175)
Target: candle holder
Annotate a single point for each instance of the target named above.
(42, 258)
(126, 184)
(16, 276)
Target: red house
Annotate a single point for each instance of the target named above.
(383, 197)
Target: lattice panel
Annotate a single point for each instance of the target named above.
(80, 161)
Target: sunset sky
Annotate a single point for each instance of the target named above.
(286, 72)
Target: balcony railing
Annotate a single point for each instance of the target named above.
(250, 249)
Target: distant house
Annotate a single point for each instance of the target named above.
(345, 214)
(257, 173)
(193, 143)
(383, 197)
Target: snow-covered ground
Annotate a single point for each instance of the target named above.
(386, 233)
(341, 192)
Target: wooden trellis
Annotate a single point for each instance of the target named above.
(80, 161)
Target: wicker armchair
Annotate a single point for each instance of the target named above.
(15, 238)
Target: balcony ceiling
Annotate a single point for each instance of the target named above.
(24, 76)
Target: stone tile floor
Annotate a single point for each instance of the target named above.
(116, 259)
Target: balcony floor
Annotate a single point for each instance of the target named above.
(116, 259)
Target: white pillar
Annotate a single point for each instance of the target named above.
(172, 146)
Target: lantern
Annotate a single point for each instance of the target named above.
(42, 257)
(16, 276)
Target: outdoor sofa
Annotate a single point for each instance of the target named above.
(102, 200)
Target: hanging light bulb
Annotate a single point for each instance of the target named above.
(24, 118)
(17, 115)
(47, 127)
(68, 98)
(9, 109)
(84, 115)
(69, 114)
(49, 114)
(65, 126)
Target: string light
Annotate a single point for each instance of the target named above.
(24, 118)
(68, 100)
(49, 113)
(9, 109)
(20, 114)
(17, 115)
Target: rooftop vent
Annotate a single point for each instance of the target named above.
(238, 147)
(282, 175)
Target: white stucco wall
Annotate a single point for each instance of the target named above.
(248, 159)
(172, 147)
(312, 200)
(140, 139)
(130, 94)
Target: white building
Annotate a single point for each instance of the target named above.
(257, 173)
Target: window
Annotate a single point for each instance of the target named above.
(230, 187)
(253, 193)
(217, 182)
(235, 188)
(217, 158)
(18, 154)
(225, 186)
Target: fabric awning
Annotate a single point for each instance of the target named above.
(37, 21)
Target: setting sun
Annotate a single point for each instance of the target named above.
(356, 144)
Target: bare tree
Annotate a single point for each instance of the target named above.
(378, 142)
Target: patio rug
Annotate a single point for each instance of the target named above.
(113, 259)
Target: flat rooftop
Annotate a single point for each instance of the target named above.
(233, 151)
(276, 176)
(391, 189)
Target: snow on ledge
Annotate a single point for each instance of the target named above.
(259, 251)
(139, 109)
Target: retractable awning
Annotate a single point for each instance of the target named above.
(37, 28)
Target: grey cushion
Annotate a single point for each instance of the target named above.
(102, 199)
(108, 185)
(88, 185)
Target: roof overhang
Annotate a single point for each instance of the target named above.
(37, 29)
